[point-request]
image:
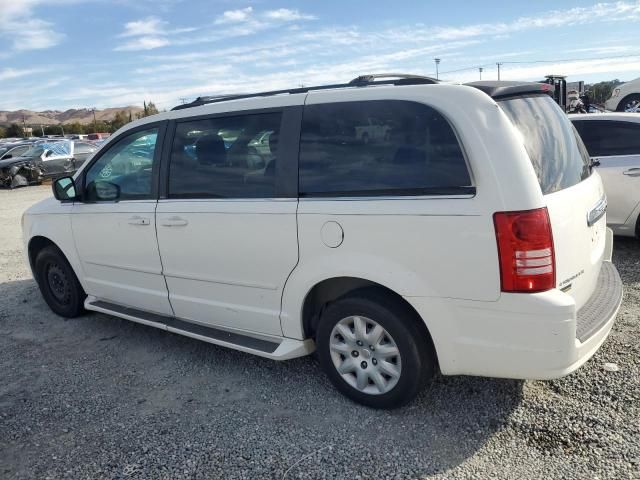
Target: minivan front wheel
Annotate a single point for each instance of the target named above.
(373, 350)
(58, 283)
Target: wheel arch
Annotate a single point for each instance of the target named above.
(35, 246)
(38, 242)
(623, 100)
(320, 295)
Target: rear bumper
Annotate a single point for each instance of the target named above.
(524, 336)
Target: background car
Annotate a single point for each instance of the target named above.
(14, 150)
(44, 159)
(613, 140)
(625, 98)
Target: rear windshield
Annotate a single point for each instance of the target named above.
(559, 157)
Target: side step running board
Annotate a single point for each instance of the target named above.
(276, 348)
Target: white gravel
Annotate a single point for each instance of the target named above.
(102, 398)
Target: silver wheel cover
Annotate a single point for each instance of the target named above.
(365, 355)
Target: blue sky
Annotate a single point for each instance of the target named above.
(59, 54)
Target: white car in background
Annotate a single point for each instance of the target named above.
(625, 98)
(613, 140)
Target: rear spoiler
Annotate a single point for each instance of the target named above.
(497, 89)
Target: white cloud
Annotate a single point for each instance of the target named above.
(19, 25)
(148, 33)
(235, 16)
(142, 43)
(264, 18)
(619, 11)
(11, 73)
(286, 15)
(146, 26)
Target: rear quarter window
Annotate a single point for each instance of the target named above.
(379, 148)
(557, 153)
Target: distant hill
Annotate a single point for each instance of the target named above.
(54, 117)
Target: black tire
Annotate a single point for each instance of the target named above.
(418, 359)
(58, 283)
(626, 101)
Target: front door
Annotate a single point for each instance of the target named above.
(114, 225)
(227, 229)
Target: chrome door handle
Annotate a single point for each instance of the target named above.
(138, 220)
(174, 222)
(632, 172)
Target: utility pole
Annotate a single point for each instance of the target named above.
(480, 69)
(95, 128)
(62, 128)
(437, 60)
(183, 100)
(23, 127)
(42, 129)
(499, 65)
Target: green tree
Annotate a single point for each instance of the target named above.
(600, 92)
(14, 130)
(147, 110)
(119, 120)
(3, 132)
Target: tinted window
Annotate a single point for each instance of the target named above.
(127, 164)
(554, 147)
(379, 147)
(609, 138)
(225, 157)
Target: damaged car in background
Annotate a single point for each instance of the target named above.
(44, 160)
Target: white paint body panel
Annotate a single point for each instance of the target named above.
(249, 265)
(228, 265)
(117, 245)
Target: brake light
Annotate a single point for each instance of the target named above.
(525, 251)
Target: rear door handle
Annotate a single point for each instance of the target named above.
(632, 172)
(174, 222)
(138, 220)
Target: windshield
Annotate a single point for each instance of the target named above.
(57, 149)
(557, 153)
(34, 152)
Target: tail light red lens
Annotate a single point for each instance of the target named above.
(525, 250)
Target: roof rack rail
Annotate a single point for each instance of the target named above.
(361, 81)
(403, 79)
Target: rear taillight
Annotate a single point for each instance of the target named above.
(525, 251)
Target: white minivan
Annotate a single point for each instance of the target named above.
(469, 239)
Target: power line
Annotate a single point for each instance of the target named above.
(526, 62)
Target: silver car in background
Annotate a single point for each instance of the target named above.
(613, 141)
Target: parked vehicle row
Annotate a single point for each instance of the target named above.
(468, 236)
(29, 163)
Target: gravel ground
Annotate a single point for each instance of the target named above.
(99, 397)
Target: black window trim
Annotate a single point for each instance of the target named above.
(155, 172)
(466, 191)
(288, 149)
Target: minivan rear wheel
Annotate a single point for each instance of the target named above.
(373, 349)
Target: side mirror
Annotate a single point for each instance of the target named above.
(106, 191)
(64, 189)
